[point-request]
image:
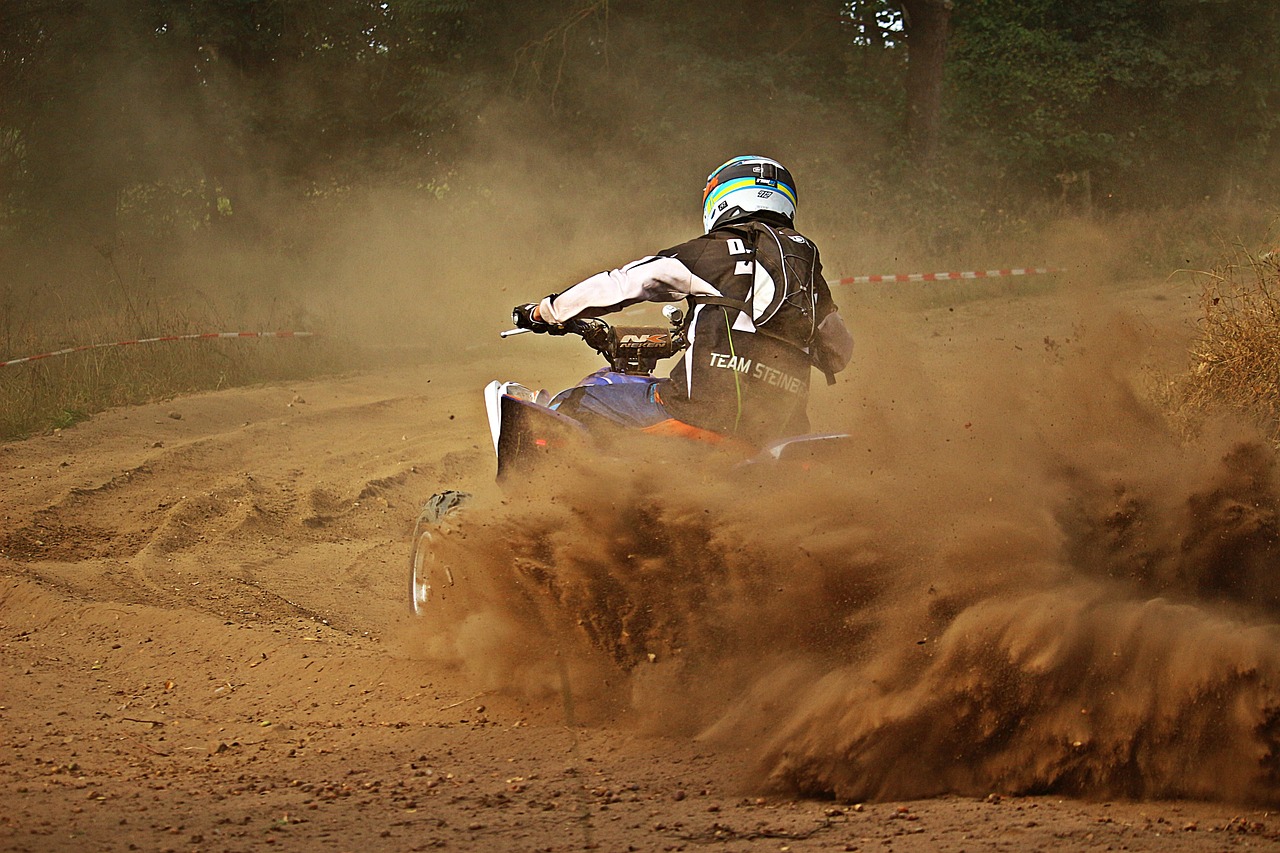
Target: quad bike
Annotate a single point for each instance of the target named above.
(527, 431)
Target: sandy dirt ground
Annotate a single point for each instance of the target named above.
(205, 639)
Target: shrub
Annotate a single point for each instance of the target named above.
(1235, 362)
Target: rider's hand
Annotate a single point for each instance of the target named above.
(526, 317)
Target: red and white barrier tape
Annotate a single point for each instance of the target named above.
(200, 337)
(857, 279)
(948, 276)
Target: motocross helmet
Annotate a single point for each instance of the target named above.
(747, 185)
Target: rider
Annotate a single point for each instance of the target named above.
(760, 315)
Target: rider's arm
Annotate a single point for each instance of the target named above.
(657, 278)
(833, 345)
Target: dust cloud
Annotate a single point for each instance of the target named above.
(1018, 579)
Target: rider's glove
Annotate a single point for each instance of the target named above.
(522, 316)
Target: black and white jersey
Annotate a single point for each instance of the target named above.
(760, 316)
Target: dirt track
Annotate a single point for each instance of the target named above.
(205, 645)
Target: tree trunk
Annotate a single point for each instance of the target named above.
(928, 29)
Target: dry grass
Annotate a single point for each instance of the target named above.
(1235, 364)
(55, 393)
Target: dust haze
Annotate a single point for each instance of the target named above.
(431, 257)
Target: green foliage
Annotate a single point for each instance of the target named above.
(1157, 98)
(1027, 81)
(224, 95)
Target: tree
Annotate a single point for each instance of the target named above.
(928, 31)
(68, 111)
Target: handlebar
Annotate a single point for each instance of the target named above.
(628, 349)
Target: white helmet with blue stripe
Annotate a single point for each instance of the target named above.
(746, 185)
